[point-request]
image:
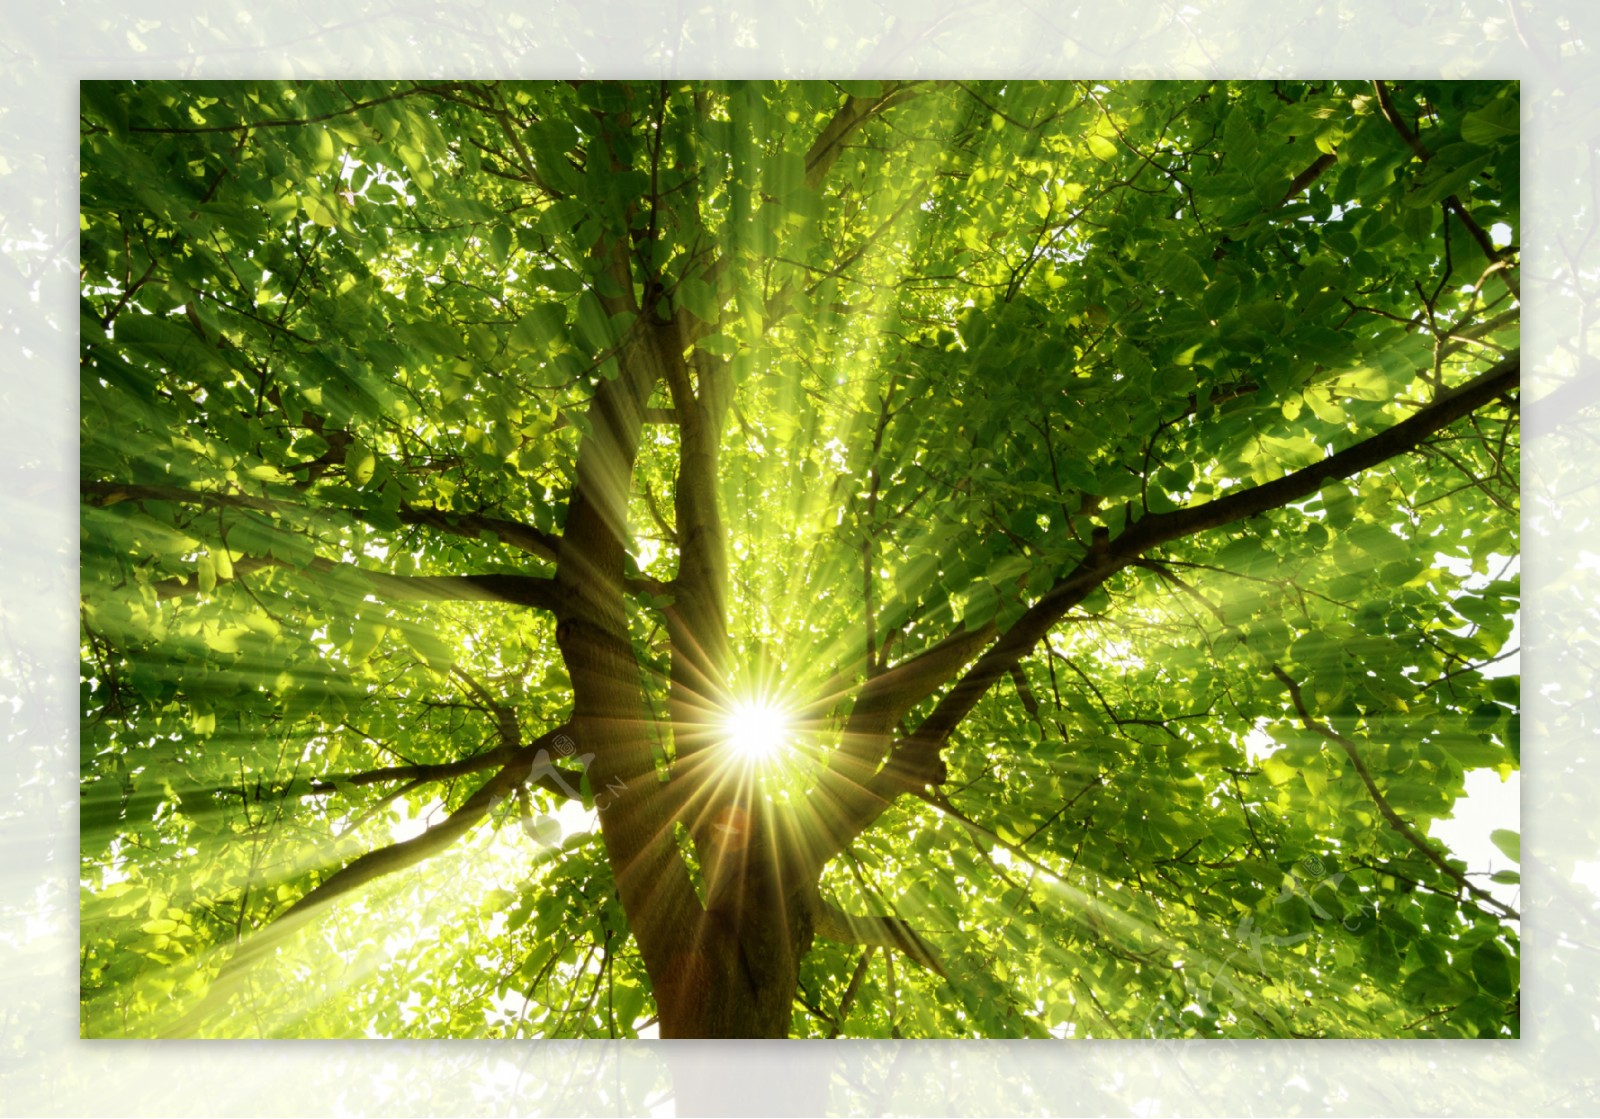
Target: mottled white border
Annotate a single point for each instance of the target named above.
(46, 1070)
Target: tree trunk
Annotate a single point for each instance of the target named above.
(738, 974)
(721, 990)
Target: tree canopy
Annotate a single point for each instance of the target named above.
(886, 559)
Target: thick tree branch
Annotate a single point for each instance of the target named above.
(868, 732)
(833, 923)
(847, 1000)
(1309, 175)
(521, 590)
(524, 537)
(885, 699)
(697, 624)
(556, 780)
(915, 759)
(856, 111)
(610, 712)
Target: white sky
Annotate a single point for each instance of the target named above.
(1489, 803)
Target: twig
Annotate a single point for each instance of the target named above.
(850, 990)
(1407, 832)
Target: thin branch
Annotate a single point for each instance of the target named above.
(355, 874)
(848, 999)
(1479, 667)
(1453, 203)
(1310, 175)
(856, 111)
(556, 780)
(280, 122)
(522, 590)
(1406, 831)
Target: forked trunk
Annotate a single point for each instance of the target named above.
(738, 975)
(715, 992)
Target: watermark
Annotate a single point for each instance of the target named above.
(543, 828)
(1203, 992)
(544, 769)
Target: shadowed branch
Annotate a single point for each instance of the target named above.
(229, 982)
(833, 923)
(916, 757)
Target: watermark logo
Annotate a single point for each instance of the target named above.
(543, 768)
(1201, 991)
(543, 772)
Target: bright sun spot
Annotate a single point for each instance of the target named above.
(756, 730)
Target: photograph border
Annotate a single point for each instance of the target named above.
(46, 1070)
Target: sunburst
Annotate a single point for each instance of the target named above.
(757, 731)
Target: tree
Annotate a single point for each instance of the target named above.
(749, 559)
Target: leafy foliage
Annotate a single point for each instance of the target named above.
(351, 354)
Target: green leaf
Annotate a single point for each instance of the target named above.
(1006, 569)
(431, 337)
(430, 646)
(359, 462)
(1327, 410)
(1496, 122)
(365, 639)
(1102, 147)
(1133, 364)
(541, 329)
(1184, 275)
(698, 298)
(500, 243)
(1492, 970)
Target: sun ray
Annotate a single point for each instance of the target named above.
(758, 731)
